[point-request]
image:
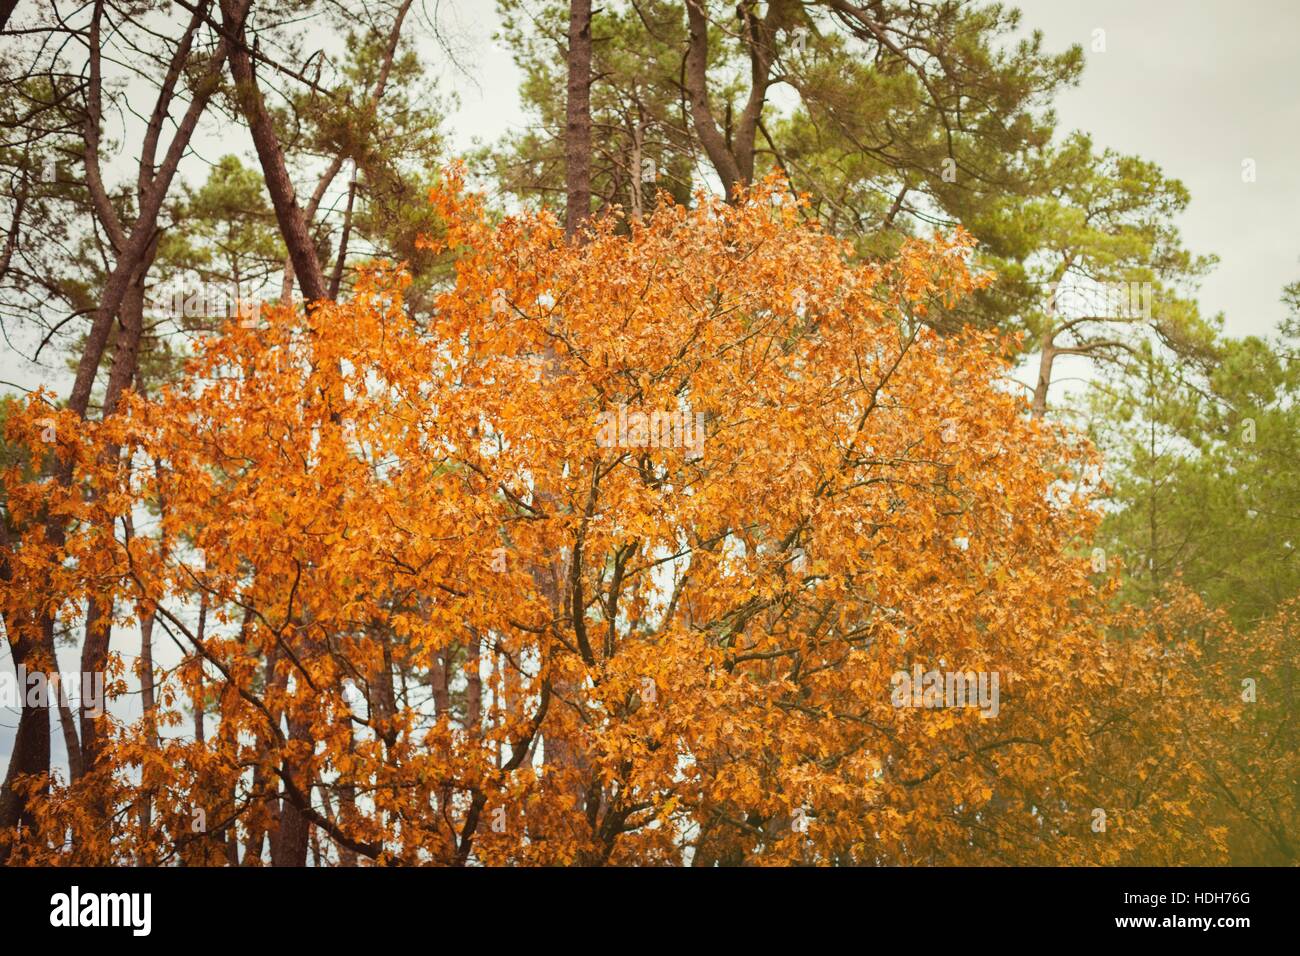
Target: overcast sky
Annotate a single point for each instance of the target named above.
(1198, 87)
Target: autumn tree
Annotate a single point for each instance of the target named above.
(770, 488)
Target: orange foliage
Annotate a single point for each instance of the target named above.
(576, 644)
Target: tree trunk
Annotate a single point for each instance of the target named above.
(126, 357)
(289, 215)
(149, 703)
(577, 140)
(696, 70)
(31, 753)
(6, 10)
(290, 842)
(1045, 360)
(126, 363)
(94, 658)
(68, 722)
(474, 690)
(336, 280)
(347, 813)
